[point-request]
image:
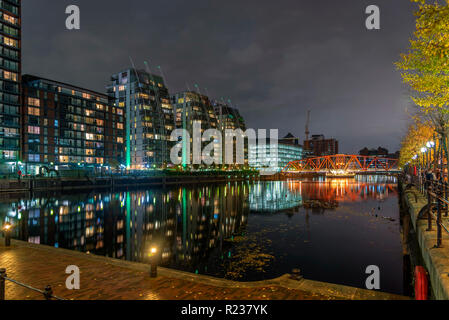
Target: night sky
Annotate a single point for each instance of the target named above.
(273, 59)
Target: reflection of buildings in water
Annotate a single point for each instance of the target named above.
(188, 225)
(343, 190)
(287, 196)
(274, 196)
(185, 224)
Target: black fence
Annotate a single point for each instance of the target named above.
(47, 292)
(437, 207)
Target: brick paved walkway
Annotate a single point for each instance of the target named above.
(106, 279)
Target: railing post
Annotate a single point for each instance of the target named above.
(445, 198)
(2, 283)
(429, 208)
(438, 245)
(48, 292)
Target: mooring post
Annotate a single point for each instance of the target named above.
(2, 283)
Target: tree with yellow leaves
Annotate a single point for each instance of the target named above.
(418, 134)
(425, 67)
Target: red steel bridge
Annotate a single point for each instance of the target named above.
(342, 163)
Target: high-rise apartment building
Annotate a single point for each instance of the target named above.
(10, 71)
(149, 117)
(229, 118)
(191, 107)
(65, 125)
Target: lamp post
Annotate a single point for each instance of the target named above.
(423, 150)
(430, 145)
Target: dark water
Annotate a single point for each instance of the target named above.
(332, 230)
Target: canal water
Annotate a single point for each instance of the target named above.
(330, 229)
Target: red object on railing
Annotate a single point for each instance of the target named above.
(421, 283)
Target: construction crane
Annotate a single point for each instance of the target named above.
(307, 125)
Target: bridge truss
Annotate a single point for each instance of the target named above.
(342, 163)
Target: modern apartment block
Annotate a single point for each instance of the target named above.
(150, 121)
(229, 118)
(68, 126)
(10, 72)
(190, 107)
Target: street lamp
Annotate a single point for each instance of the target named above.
(423, 150)
(431, 145)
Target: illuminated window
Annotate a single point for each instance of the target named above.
(10, 75)
(63, 159)
(33, 130)
(9, 19)
(33, 111)
(10, 42)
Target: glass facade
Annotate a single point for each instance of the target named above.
(260, 158)
(10, 72)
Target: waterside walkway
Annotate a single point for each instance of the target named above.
(111, 279)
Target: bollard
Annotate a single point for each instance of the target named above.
(7, 231)
(153, 262)
(153, 269)
(7, 239)
(2, 283)
(296, 274)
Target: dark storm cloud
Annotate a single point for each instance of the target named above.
(274, 59)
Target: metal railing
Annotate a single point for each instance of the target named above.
(47, 292)
(436, 192)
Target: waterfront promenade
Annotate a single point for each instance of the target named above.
(111, 279)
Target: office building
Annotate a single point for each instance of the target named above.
(264, 157)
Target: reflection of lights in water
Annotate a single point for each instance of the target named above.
(174, 223)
